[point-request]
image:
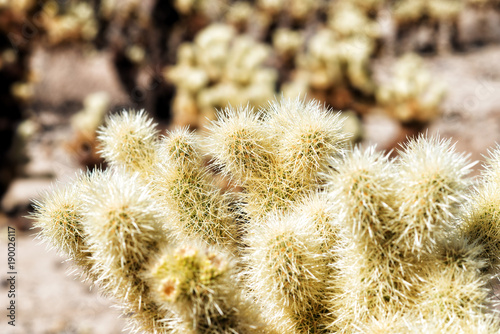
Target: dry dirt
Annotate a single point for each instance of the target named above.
(48, 300)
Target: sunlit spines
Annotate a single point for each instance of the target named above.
(450, 295)
(305, 135)
(486, 324)
(202, 210)
(372, 275)
(392, 322)
(362, 189)
(276, 155)
(414, 322)
(124, 231)
(453, 288)
(129, 140)
(288, 271)
(180, 148)
(433, 183)
(276, 192)
(185, 187)
(199, 285)
(60, 217)
(347, 241)
(239, 144)
(480, 222)
(460, 253)
(324, 216)
(151, 318)
(369, 287)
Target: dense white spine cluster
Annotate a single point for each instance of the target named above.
(433, 184)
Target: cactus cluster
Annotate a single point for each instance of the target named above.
(331, 60)
(219, 68)
(315, 237)
(442, 10)
(412, 94)
(72, 22)
(337, 58)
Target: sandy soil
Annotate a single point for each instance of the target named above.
(48, 300)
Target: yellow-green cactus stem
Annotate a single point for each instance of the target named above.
(201, 209)
(129, 140)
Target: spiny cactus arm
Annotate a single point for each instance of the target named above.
(306, 135)
(480, 220)
(433, 185)
(59, 215)
(288, 272)
(151, 319)
(181, 182)
(363, 188)
(371, 273)
(276, 155)
(458, 252)
(180, 148)
(454, 288)
(68, 221)
(480, 223)
(199, 285)
(455, 298)
(491, 172)
(417, 323)
(124, 232)
(129, 140)
(238, 142)
(321, 211)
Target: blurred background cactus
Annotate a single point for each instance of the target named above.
(219, 69)
(324, 238)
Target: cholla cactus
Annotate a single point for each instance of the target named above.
(398, 216)
(130, 141)
(218, 69)
(439, 15)
(276, 157)
(412, 94)
(369, 5)
(337, 58)
(73, 22)
(199, 285)
(85, 124)
(59, 215)
(296, 9)
(480, 217)
(209, 9)
(287, 42)
(409, 11)
(322, 238)
(288, 271)
(186, 188)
